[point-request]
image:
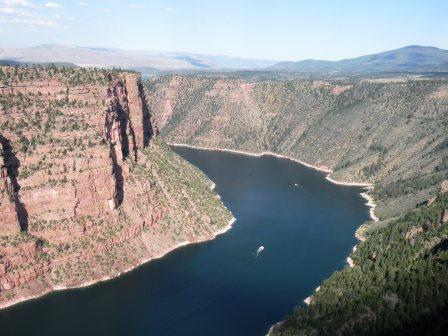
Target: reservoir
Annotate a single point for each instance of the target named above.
(305, 224)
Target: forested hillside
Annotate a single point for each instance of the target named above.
(388, 131)
(391, 132)
(398, 285)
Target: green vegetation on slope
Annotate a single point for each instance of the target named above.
(398, 286)
(388, 131)
(188, 187)
(391, 132)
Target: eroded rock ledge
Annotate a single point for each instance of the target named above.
(87, 190)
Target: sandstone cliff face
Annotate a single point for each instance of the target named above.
(87, 190)
(390, 132)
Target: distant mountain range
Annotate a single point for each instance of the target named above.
(408, 59)
(110, 57)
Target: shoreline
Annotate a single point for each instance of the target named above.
(58, 288)
(364, 194)
(370, 202)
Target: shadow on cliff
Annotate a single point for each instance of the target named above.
(148, 130)
(118, 174)
(123, 122)
(12, 164)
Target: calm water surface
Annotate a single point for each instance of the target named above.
(219, 287)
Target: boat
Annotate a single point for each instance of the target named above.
(260, 249)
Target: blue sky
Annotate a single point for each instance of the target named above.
(275, 29)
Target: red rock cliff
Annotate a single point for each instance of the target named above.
(86, 189)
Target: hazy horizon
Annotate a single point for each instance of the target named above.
(286, 30)
(186, 52)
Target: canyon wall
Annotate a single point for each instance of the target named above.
(87, 189)
(391, 132)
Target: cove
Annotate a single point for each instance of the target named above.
(220, 287)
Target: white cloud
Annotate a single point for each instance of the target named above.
(7, 10)
(82, 4)
(17, 3)
(53, 5)
(30, 21)
(169, 9)
(134, 5)
(22, 12)
(105, 10)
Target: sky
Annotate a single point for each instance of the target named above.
(264, 29)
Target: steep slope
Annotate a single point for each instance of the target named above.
(410, 58)
(398, 285)
(390, 132)
(87, 190)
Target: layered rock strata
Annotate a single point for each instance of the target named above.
(87, 190)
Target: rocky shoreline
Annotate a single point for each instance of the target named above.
(103, 279)
(116, 275)
(93, 282)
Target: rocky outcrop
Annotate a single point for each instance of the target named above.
(444, 187)
(413, 231)
(445, 217)
(140, 116)
(87, 190)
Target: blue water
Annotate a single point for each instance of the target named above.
(219, 287)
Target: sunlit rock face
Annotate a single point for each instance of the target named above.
(87, 191)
